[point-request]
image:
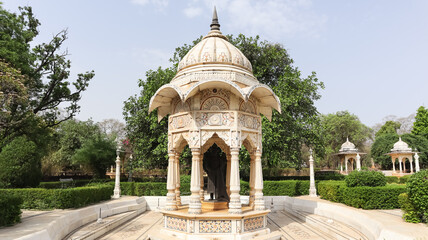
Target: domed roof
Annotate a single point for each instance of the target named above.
(214, 63)
(401, 146)
(348, 146)
(215, 48)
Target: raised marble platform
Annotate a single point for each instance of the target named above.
(215, 224)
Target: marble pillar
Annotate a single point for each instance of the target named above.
(312, 188)
(228, 157)
(116, 192)
(417, 162)
(177, 179)
(235, 198)
(259, 203)
(195, 206)
(358, 162)
(252, 178)
(171, 203)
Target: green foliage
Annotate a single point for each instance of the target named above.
(385, 197)
(71, 184)
(283, 137)
(410, 213)
(331, 190)
(390, 127)
(383, 144)
(45, 65)
(420, 126)
(10, 210)
(392, 179)
(365, 178)
(336, 128)
(97, 153)
(39, 198)
(417, 187)
(404, 179)
(20, 164)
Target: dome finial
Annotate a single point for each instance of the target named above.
(214, 24)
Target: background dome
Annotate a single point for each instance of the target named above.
(401, 146)
(347, 146)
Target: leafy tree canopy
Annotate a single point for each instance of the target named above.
(390, 127)
(420, 126)
(282, 138)
(336, 127)
(45, 67)
(97, 154)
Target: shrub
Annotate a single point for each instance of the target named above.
(71, 184)
(39, 198)
(10, 210)
(385, 197)
(365, 178)
(20, 164)
(404, 179)
(417, 187)
(410, 213)
(330, 190)
(392, 179)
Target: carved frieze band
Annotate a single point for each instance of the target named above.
(214, 119)
(251, 224)
(215, 226)
(250, 122)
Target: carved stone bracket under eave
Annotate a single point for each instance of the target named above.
(162, 99)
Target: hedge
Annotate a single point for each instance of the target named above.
(385, 197)
(10, 210)
(271, 188)
(405, 178)
(71, 184)
(417, 189)
(392, 179)
(365, 178)
(39, 198)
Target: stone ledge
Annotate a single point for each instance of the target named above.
(60, 227)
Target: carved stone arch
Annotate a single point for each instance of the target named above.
(178, 140)
(206, 135)
(251, 140)
(215, 140)
(225, 136)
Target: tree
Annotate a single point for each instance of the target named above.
(390, 127)
(385, 142)
(70, 137)
(97, 154)
(112, 128)
(282, 138)
(420, 126)
(46, 68)
(336, 128)
(20, 164)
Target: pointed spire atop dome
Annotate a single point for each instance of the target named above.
(214, 24)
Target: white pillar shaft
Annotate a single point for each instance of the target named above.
(399, 163)
(341, 165)
(195, 206)
(411, 165)
(116, 192)
(171, 203)
(259, 203)
(201, 177)
(393, 165)
(358, 162)
(312, 188)
(252, 178)
(417, 162)
(228, 156)
(177, 179)
(235, 198)
(404, 164)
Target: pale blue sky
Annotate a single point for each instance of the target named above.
(371, 55)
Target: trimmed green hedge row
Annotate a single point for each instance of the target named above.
(71, 184)
(271, 188)
(10, 210)
(39, 198)
(385, 197)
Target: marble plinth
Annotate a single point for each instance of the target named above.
(215, 224)
(214, 205)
